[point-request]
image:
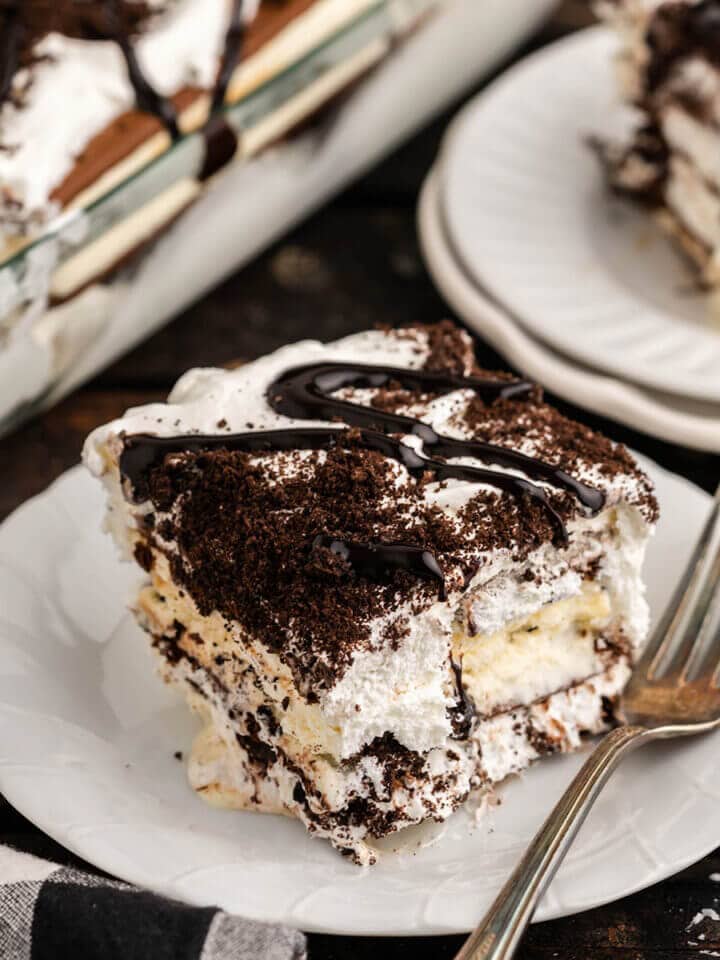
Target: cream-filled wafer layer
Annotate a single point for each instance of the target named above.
(528, 660)
(237, 761)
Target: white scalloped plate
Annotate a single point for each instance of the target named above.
(681, 420)
(530, 218)
(88, 733)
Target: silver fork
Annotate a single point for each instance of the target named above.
(674, 692)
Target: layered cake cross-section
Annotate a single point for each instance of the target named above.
(105, 86)
(119, 116)
(384, 578)
(668, 68)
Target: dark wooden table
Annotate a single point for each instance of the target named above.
(354, 264)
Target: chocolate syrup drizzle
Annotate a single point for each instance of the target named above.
(221, 141)
(146, 96)
(231, 55)
(465, 710)
(305, 393)
(371, 560)
(142, 452)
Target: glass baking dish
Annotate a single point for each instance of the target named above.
(92, 285)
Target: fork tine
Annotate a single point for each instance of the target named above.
(704, 662)
(696, 639)
(674, 636)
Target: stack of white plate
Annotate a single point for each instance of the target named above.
(576, 288)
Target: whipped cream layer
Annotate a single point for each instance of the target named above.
(363, 705)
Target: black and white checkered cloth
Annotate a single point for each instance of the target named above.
(48, 912)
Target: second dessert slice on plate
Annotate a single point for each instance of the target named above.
(384, 578)
(668, 70)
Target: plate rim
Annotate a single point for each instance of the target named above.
(451, 147)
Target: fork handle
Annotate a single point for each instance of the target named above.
(499, 933)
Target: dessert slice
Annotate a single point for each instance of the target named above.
(669, 69)
(383, 577)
